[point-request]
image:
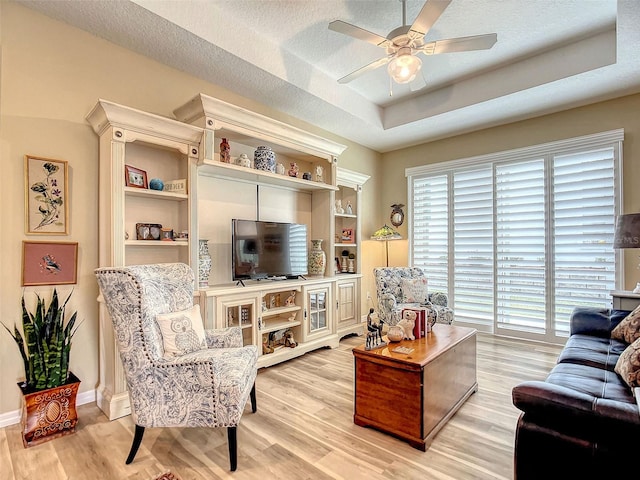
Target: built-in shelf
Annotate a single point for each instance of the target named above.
(279, 310)
(155, 243)
(235, 172)
(156, 194)
(274, 326)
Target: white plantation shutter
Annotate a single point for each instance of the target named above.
(584, 223)
(431, 230)
(520, 245)
(473, 245)
(519, 239)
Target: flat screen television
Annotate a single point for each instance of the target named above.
(262, 249)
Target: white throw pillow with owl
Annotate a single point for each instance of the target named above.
(182, 332)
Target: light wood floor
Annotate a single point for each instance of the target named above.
(303, 430)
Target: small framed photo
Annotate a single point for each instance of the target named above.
(46, 196)
(166, 234)
(134, 177)
(49, 263)
(148, 231)
(347, 235)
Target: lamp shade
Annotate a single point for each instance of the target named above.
(386, 233)
(404, 67)
(627, 231)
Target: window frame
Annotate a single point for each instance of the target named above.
(609, 139)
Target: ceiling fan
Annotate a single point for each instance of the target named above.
(403, 44)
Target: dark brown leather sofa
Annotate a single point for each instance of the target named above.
(583, 421)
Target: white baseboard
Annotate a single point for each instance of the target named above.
(11, 418)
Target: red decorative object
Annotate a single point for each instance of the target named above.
(225, 151)
(50, 413)
(419, 328)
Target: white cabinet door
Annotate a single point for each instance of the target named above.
(318, 311)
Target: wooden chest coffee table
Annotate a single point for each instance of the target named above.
(412, 396)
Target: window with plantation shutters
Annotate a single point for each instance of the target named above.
(518, 239)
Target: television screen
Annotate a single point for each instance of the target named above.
(268, 249)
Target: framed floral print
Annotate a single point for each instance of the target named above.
(49, 263)
(46, 196)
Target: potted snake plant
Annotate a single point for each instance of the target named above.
(49, 389)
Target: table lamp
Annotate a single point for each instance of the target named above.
(627, 235)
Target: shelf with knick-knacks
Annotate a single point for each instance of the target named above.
(303, 160)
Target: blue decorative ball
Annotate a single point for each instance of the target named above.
(156, 184)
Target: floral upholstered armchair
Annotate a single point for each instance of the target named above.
(178, 374)
(405, 287)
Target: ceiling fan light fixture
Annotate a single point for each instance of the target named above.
(404, 67)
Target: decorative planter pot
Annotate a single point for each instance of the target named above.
(317, 258)
(50, 413)
(204, 263)
(264, 159)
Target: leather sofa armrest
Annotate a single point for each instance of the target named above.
(595, 321)
(536, 396)
(566, 409)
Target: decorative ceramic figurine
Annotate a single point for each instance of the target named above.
(319, 171)
(280, 170)
(306, 175)
(349, 208)
(243, 160)
(339, 208)
(293, 170)
(225, 151)
(374, 334)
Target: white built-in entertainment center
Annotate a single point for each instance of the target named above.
(285, 318)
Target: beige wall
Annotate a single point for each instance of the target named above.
(599, 117)
(51, 77)
(53, 74)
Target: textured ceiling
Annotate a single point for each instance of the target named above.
(550, 55)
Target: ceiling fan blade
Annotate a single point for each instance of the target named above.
(460, 44)
(365, 69)
(357, 32)
(431, 11)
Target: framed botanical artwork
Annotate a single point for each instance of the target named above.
(134, 177)
(49, 263)
(46, 196)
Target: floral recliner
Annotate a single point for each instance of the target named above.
(405, 287)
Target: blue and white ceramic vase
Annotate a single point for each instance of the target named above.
(204, 263)
(264, 159)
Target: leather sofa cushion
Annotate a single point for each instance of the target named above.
(599, 352)
(604, 386)
(582, 401)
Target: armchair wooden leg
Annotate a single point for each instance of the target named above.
(254, 405)
(137, 439)
(233, 447)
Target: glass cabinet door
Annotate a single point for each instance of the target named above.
(318, 313)
(240, 312)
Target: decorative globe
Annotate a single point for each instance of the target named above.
(156, 184)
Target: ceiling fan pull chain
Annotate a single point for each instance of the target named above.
(390, 87)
